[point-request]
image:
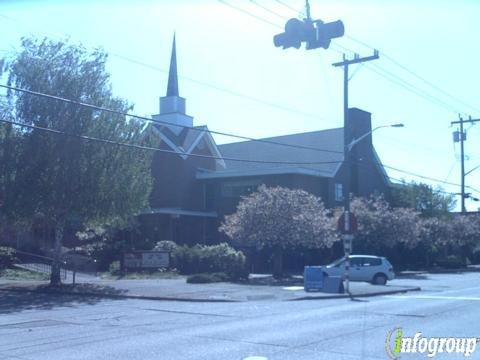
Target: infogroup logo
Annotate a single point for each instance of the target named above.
(397, 344)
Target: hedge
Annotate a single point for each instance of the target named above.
(210, 259)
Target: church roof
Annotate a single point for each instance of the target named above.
(328, 162)
(330, 139)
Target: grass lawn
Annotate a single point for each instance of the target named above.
(21, 274)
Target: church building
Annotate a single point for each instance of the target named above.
(197, 182)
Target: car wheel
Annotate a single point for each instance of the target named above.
(379, 279)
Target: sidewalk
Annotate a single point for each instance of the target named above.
(179, 290)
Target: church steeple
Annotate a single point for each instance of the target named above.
(172, 106)
(172, 87)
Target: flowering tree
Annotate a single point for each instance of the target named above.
(459, 234)
(380, 226)
(280, 218)
(465, 230)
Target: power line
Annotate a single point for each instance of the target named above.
(206, 84)
(403, 144)
(402, 182)
(451, 169)
(99, 108)
(141, 147)
(267, 9)
(401, 82)
(409, 87)
(472, 170)
(426, 177)
(412, 88)
(215, 132)
(222, 89)
(148, 148)
(116, 112)
(143, 118)
(296, 11)
(249, 14)
(405, 84)
(411, 72)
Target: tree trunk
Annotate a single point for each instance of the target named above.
(277, 262)
(55, 278)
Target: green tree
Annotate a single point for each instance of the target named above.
(10, 150)
(66, 178)
(279, 218)
(422, 198)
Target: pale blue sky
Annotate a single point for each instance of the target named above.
(228, 49)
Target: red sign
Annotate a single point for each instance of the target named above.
(347, 223)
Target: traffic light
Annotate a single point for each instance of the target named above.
(296, 32)
(315, 34)
(324, 33)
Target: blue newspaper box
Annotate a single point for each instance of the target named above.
(333, 284)
(313, 278)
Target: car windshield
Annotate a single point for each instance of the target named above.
(336, 262)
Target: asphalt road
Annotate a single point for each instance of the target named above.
(67, 327)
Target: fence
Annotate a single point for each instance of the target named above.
(38, 263)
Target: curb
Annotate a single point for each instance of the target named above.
(401, 275)
(198, 300)
(347, 296)
(118, 296)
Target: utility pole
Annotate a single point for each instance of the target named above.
(307, 9)
(348, 236)
(461, 136)
(462, 154)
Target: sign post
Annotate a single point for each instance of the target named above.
(347, 225)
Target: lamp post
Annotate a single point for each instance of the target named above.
(356, 141)
(347, 220)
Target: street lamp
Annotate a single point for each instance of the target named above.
(347, 220)
(356, 141)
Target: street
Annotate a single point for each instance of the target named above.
(69, 327)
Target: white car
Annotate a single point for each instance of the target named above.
(374, 269)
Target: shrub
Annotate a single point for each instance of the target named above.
(104, 253)
(475, 257)
(114, 268)
(166, 245)
(207, 278)
(452, 262)
(210, 259)
(7, 257)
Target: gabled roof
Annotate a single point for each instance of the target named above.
(192, 137)
(187, 141)
(331, 140)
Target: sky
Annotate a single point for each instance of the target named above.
(235, 80)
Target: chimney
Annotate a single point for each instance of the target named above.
(360, 123)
